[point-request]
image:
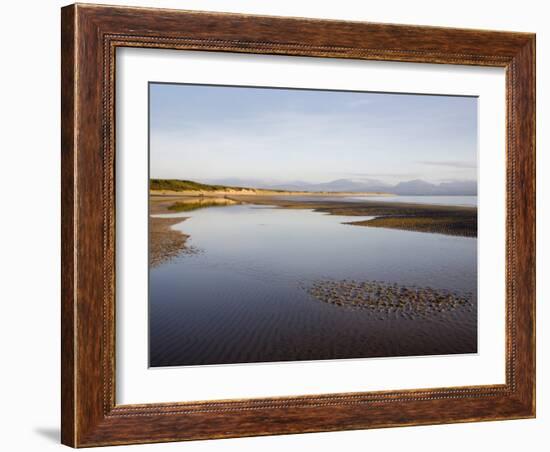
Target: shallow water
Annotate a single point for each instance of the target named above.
(244, 297)
(470, 201)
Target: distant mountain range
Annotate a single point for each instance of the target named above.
(415, 187)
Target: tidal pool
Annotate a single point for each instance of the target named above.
(246, 296)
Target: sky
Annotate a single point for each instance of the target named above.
(266, 135)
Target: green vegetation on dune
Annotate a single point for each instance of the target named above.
(187, 185)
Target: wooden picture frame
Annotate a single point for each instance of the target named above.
(90, 36)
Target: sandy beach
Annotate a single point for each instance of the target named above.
(164, 242)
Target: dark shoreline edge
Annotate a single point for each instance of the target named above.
(166, 243)
(447, 220)
(457, 226)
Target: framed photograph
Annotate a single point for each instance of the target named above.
(281, 225)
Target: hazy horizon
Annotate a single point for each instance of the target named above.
(257, 183)
(270, 137)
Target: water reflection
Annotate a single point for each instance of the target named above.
(195, 203)
(245, 297)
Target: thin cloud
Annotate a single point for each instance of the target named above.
(449, 164)
(393, 174)
(359, 102)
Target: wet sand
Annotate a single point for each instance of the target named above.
(165, 243)
(448, 220)
(465, 226)
(389, 299)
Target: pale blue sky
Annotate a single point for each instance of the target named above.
(209, 133)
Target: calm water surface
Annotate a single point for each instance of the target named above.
(242, 298)
(470, 201)
(438, 200)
